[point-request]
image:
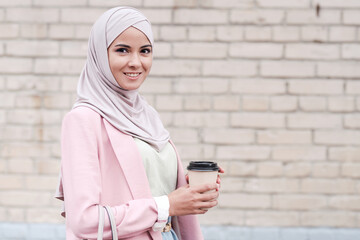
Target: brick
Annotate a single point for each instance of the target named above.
(112, 3)
(350, 51)
(172, 33)
(229, 68)
(11, 182)
(331, 219)
(28, 82)
(228, 136)
(197, 103)
(36, 31)
(287, 69)
(283, 103)
(358, 103)
(316, 87)
(184, 135)
(82, 31)
(57, 100)
(15, 3)
(41, 182)
(231, 184)
(62, 31)
(49, 133)
(199, 50)
(310, 17)
(312, 51)
(338, 3)
(222, 216)
(43, 215)
(9, 30)
(244, 153)
(32, 48)
(175, 68)
(247, 201)
(201, 85)
(25, 149)
(21, 165)
(15, 65)
(342, 34)
(13, 132)
(80, 15)
(201, 119)
(271, 219)
(257, 120)
(347, 154)
(351, 17)
(341, 104)
(258, 33)
(38, 15)
(158, 3)
(69, 84)
(292, 153)
(151, 85)
(272, 185)
(58, 66)
(255, 103)
(258, 86)
(47, 166)
(352, 120)
(200, 16)
(185, 3)
(314, 33)
(257, 16)
(328, 186)
(345, 137)
(230, 33)
(345, 202)
(284, 3)
(296, 169)
(203, 33)
(226, 103)
(314, 121)
(55, 3)
(189, 152)
(16, 215)
(162, 50)
(74, 49)
(286, 34)
(350, 170)
(241, 169)
(173, 103)
(270, 169)
(284, 137)
(312, 103)
(256, 50)
(228, 4)
(28, 117)
(325, 170)
(7, 100)
(299, 202)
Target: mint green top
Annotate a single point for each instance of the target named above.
(160, 167)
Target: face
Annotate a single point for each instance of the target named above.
(130, 58)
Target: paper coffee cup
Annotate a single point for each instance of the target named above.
(202, 172)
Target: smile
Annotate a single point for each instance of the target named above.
(132, 74)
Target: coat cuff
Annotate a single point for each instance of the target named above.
(163, 206)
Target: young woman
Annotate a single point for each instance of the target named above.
(115, 149)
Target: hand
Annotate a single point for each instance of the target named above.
(192, 200)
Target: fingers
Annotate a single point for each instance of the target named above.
(221, 170)
(205, 187)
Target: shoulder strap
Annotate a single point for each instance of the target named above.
(101, 223)
(112, 222)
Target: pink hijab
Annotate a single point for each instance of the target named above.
(98, 89)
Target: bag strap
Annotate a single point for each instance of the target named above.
(101, 223)
(112, 222)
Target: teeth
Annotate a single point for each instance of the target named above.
(132, 74)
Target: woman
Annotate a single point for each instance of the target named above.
(115, 150)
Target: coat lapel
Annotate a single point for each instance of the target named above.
(130, 161)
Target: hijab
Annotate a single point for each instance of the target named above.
(97, 89)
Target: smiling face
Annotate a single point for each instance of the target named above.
(130, 58)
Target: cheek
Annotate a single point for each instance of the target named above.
(147, 63)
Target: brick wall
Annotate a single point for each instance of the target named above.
(268, 88)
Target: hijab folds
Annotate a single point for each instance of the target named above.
(97, 88)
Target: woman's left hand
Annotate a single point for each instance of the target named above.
(218, 180)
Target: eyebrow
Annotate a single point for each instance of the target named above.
(127, 46)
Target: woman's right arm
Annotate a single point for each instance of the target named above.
(81, 180)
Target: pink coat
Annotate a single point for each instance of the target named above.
(101, 165)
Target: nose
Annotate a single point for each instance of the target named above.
(134, 60)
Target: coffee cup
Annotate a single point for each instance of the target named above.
(202, 172)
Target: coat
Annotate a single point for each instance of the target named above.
(101, 165)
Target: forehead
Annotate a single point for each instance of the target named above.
(132, 35)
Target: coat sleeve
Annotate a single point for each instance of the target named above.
(81, 181)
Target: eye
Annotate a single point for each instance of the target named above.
(122, 50)
(146, 50)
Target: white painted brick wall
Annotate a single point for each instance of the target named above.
(269, 89)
